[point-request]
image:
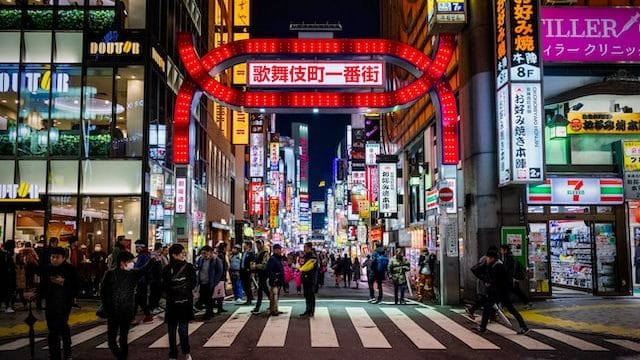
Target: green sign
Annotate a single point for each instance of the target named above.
(516, 237)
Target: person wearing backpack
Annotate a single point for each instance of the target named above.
(179, 280)
(516, 273)
(398, 268)
(379, 266)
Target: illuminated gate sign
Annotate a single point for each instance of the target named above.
(315, 73)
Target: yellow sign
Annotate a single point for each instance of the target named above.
(603, 123)
(631, 150)
(218, 14)
(114, 48)
(240, 70)
(240, 128)
(221, 118)
(274, 205)
(241, 13)
(23, 192)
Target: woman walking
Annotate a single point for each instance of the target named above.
(356, 271)
(398, 270)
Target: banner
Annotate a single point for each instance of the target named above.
(603, 123)
(256, 198)
(577, 191)
(240, 125)
(274, 152)
(388, 198)
(273, 212)
(256, 155)
(315, 73)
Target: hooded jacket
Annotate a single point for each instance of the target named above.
(59, 286)
(118, 291)
(179, 285)
(215, 270)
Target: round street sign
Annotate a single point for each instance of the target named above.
(445, 194)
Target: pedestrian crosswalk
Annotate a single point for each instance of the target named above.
(371, 327)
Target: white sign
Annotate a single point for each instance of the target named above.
(317, 207)
(181, 195)
(504, 137)
(256, 155)
(372, 150)
(632, 185)
(388, 198)
(35, 81)
(577, 191)
(315, 73)
(358, 178)
(527, 133)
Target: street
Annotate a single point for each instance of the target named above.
(344, 326)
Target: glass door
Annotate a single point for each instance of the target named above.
(538, 265)
(571, 249)
(606, 253)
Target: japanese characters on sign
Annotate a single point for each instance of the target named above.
(256, 198)
(181, 195)
(502, 75)
(221, 118)
(631, 152)
(504, 136)
(315, 73)
(526, 125)
(256, 155)
(572, 191)
(590, 34)
(372, 151)
(274, 152)
(603, 123)
(388, 197)
(632, 185)
(524, 51)
(373, 186)
(240, 128)
(274, 203)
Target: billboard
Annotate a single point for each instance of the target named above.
(315, 73)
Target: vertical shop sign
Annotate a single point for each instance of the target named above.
(240, 128)
(372, 151)
(256, 197)
(273, 212)
(181, 195)
(274, 152)
(373, 186)
(256, 146)
(518, 92)
(388, 199)
(221, 118)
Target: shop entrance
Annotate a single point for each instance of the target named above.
(634, 243)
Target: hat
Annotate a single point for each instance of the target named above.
(277, 246)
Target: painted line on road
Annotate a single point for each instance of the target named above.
(421, 338)
(275, 331)
(370, 335)
(79, 338)
(474, 341)
(163, 342)
(321, 329)
(227, 333)
(570, 340)
(627, 344)
(535, 316)
(135, 333)
(17, 344)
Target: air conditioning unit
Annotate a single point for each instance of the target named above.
(560, 2)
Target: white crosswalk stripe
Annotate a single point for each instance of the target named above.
(627, 344)
(79, 338)
(228, 332)
(275, 332)
(321, 329)
(421, 338)
(369, 334)
(17, 344)
(135, 333)
(474, 341)
(163, 342)
(570, 340)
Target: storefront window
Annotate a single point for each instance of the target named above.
(37, 47)
(40, 2)
(6, 224)
(63, 177)
(6, 175)
(8, 108)
(111, 177)
(126, 218)
(33, 172)
(102, 19)
(569, 209)
(29, 226)
(571, 263)
(33, 125)
(134, 12)
(98, 111)
(128, 133)
(10, 43)
(63, 219)
(68, 48)
(606, 257)
(40, 19)
(535, 209)
(538, 258)
(64, 133)
(70, 2)
(94, 222)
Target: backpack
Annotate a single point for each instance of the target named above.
(383, 264)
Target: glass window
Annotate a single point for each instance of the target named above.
(604, 209)
(126, 217)
(128, 133)
(70, 2)
(40, 2)
(33, 172)
(535, 209)
(569, 209)
(68, 48)
(70, 19)
(94, 222)
(63, 177)
(111, 177)
(98, 111)
(29, 226)
(101, 19)
(37, 47)
(102, 2)
(6, 175)
(8, 108)
(64, 132)
(538, 258)
(40, 19)
(8, 2)
(10, 44)
(33, 124)
(63, 221)
(134, 13)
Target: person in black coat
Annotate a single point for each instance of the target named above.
(275, 273)
(118, 299)
(179, 280)
(59, 286)
(346, 270)
(308, 270)
(260, 270)
(248, 257)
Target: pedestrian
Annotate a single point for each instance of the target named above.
(21, 278)
(379, 266)
(297, 275)
(235, 264)
(59, 286)
(288, 273)
(142, 290)
(322, 269)
(498, 290)
(355, 269)
(346, 270)
(275, 273)
(44, 257)
(308, 271)
(209, 274)
(516, 273)
(119, 246)
(98, 259)
(221, 253)
(260, 269)
(368, 266)
(118, 299)
(248, 257)
(179, 280)
(398, 268)
(424, 286)
(155, 281)
(481, 271)
(31, 264)
(337, 270)
(7, 275)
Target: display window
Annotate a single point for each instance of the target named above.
(98, 112)
(33, 113)
(570, 245)
(634, 242)
(538, 258)
(126, 218)
(8, 108)
(94, 222)
(128, 134)
(63, 219)
(29, 226)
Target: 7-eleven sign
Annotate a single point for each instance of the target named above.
(577, 191)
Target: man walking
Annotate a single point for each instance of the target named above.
(275, 271)
(248, 257)
(260, 269)
(235, 265)
(398, 269)
(142, 291)
(346, 270)
(209, 274)
(516, 273)
(379, 266)
(308, 270)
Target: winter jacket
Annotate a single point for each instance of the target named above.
(500, 284)
(179, 289)
(510, 265)
(346, 266)
(275, 271)
(261, 264)
(141, 260)
(215, 270)
(59, 286)
(397, 270)
(309, 268)
(235, 263)
(481, 272)
(118, 291)
(249, 257)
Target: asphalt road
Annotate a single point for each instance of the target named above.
(345, 327)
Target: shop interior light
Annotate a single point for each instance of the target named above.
(54, 135)
(558, 127)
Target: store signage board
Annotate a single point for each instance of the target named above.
(181, 195)
(274, 203)
(446, 15)
(603, 123)
(274, 152)
(527, 131)
(590, 34)
(23, 192)
(432, 199)
(315, 73)
(372, 151)
(504, 135)
(577, 191)
(317, 207)
(256, 155)
(631, 152)
(388, 198)
(516, 238)
(632, 185)
(256, 198)
(240, 128)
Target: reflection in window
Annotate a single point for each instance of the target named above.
(128, 133)
(33, 172)
(8, 109)
(63, 219)
(63, 177)
(68, 48)
(33, 121)
(10, 43)
(94, 222)
(6, 175)
(126, 217)
(98, 110)
(64, 133)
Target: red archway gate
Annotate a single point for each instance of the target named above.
(429, 75)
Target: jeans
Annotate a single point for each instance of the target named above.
(397, 287)
(309, 297)
(236, 284)
(245, 278)
(263, 288)
(183, 332)
(119, 349)
(58, 327)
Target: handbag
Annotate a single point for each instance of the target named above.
(425, 270)
(218, 290)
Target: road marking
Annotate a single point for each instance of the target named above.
(275, 331)
(79, 338)
(570, 340)
(369, 334)
(17, 344)
(627, 344)
(136, 332)
(474, 341)
(322, 331)
(228, 332)
(163, 342)
(421, 338)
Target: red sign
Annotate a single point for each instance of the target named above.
(256, 198)
(375, 234)
(315, 73)
(445, 194)
(181, 120)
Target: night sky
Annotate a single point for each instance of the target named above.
(359, 19)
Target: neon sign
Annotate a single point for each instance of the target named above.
(315, 73)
